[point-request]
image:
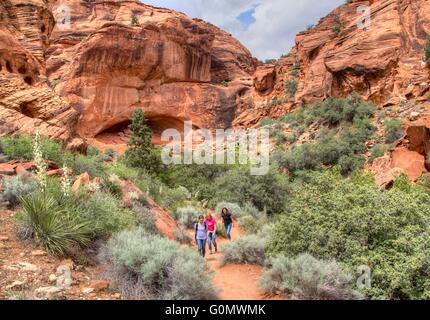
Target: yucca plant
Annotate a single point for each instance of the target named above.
(52, 226)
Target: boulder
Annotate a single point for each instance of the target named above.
(81, 181)
(411, 162)
(264, 78)
(7, 169)
(47, 293)
(99, 285)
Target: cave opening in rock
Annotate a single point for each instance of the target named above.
(120, 133)
(29, 110)
(28, 80)
(9, 67)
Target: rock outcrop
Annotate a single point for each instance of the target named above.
(169, 65)
(27, 101)
(80, 68)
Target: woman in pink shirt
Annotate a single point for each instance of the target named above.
(211, 225)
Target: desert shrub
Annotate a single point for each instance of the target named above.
(181, 235)
(150, 267)
(187, 216)
(134, 20)
(21, 148)
(249, 224)
(105, 212)
(145, 218)
(15, 188)
(252, 219)
(280, 138)
(173, 198)
(93, 165)
(351, 163)
(221, 232)
(234, 208)
(109, 155)
(345, 149)
(266, 231)
(308, 278)
(239, 186)
(53, 227)
(195, 178)
(377, 151)
(427, 51)
(424, 181)
(303, 157)
(266, 122)
(249, 249)
(112, 185)
(333, 111)
(393, 130)
(120, 169)
(356, 224)
(291, 87)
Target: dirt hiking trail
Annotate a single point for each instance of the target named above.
(235, 282)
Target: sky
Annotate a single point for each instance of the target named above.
(266, 27)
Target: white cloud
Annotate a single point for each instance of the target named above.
(277, 21)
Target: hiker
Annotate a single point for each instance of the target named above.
(211, 225)
(228, 221)
(200, 235)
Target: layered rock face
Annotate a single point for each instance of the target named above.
(80, 67)
(164, 62)
(377, 52)
(27, 101)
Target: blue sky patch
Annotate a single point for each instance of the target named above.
(247, 18)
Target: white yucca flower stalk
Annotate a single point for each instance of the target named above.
(41, 167)
(66, 181)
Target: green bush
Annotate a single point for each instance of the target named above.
(249, 249)
(112, 185)
(120, 169)
(331, 147)
(266, 122)
(21, 148)
(93, 165)
(378, 151)
(146, 220)
(356, 224)
(221, 232)
(173, 198)
(181, 235)
(393, 130)
(105, 212)
(150, 267)
(53, 227)
(239, 186)
(187, 216)
(15, 188)
(333, 111)
(308, 278)
(134, 20)
(252, 219)
(291, 87)
(234, 208)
